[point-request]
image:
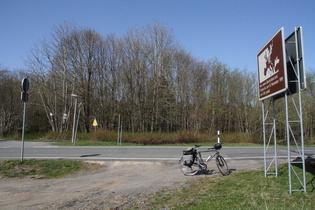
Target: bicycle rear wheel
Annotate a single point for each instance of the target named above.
(188, 170)
(222, 165)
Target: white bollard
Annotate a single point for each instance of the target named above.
(218, 136)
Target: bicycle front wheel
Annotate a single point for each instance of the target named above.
(222, 165)
(188, 170)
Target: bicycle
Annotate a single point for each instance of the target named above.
(191, 161)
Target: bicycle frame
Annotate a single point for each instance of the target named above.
(209, 158)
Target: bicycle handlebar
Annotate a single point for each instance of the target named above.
(217, 146)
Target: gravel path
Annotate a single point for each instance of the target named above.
(114, 187)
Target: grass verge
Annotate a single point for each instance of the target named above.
(180, 138)
(241, 190)
(147, 138)
(101, 143)
(43, 169)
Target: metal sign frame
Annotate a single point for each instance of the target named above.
(293, 109)
(294, 117)
(269, 130)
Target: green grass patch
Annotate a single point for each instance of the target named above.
(44, 169)
(240, 190)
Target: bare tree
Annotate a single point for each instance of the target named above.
(218, 95)
(63, 65)
(108, 82)
(159, 44)
(309, 105)
(10, 104)
(48, 62)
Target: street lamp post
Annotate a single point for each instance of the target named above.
(74, 115)
(76, 129)
(52, 123)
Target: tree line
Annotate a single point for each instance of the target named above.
(146, 77)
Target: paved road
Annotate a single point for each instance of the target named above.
(42, 150)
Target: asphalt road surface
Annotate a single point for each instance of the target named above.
(10, 149)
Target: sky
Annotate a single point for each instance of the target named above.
(233, 31)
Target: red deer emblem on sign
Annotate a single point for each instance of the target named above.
(271, 61)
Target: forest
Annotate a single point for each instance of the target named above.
(146, 77)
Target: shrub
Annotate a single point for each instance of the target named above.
(58, 136)
(103, 135)
(187, 137)
(147, 138)
(237, 137)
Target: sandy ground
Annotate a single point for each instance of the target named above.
(114, 187)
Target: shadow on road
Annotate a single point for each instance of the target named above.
(92, 155)
(211, 172)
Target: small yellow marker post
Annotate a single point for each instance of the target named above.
(95, 123)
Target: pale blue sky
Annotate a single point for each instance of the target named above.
(231, 30)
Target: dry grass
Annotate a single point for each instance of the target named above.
(147, 138)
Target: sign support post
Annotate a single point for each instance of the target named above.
(23, 131)
(119, 137)
(24, 98)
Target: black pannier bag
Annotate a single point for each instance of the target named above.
(189, 156)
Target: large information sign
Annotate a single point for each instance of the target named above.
(271, 61)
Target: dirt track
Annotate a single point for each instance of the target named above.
(115, 187)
